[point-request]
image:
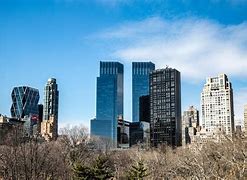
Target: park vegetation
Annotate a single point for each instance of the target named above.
(76, 156)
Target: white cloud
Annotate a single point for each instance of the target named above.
(197, 47)
(70, 123)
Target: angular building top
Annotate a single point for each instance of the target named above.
(25, 101)
(220, 82)
(110, 68)
(140, 85)
(52, 80)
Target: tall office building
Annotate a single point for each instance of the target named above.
(25, 101)
(140, 85)
(217, 105)
(109, 105)
(165, 107)
(49, 125)
(245, 118)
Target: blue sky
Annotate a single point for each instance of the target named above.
(66, 39)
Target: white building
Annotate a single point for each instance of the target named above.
(217, 105)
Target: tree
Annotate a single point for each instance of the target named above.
(100, 170)
(138, 171)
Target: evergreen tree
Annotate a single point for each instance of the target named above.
(100, 170)
(82, 172)
(138, 171)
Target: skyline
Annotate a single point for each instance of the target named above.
(66, 40)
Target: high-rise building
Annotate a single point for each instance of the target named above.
(49, 125)
(25, 101)
(245, 118)
(144, 108)
(190, 124)
(40, 118)
(109, 105)
(165, 107)
(217, 105)
(140, 84)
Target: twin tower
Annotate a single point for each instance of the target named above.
(163, 87)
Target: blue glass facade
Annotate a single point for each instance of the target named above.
(140, 84)
(25, 101)
(109, 105)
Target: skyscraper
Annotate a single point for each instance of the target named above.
(25, 101)
(140, 84)
(109, 105)
(165, 107)
(217, 105)
(49, 125)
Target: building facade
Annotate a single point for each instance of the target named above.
(109, 101)
(190, 124)
(245, 118)
(217, 112)
(140, 84)
(144, 108)
(40, 117)
(139, 133)
(24, 101)
(49, 124)
(165, 107)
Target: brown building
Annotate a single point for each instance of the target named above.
(49, 129)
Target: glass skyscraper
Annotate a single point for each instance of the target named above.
(109, 105)
(165, 107)
(51, 94)
(140, 85)
(50, 107)
(25, 101)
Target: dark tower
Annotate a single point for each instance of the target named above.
(165, 107)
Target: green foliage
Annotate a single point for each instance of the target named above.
(138, 171)
(100, 170)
